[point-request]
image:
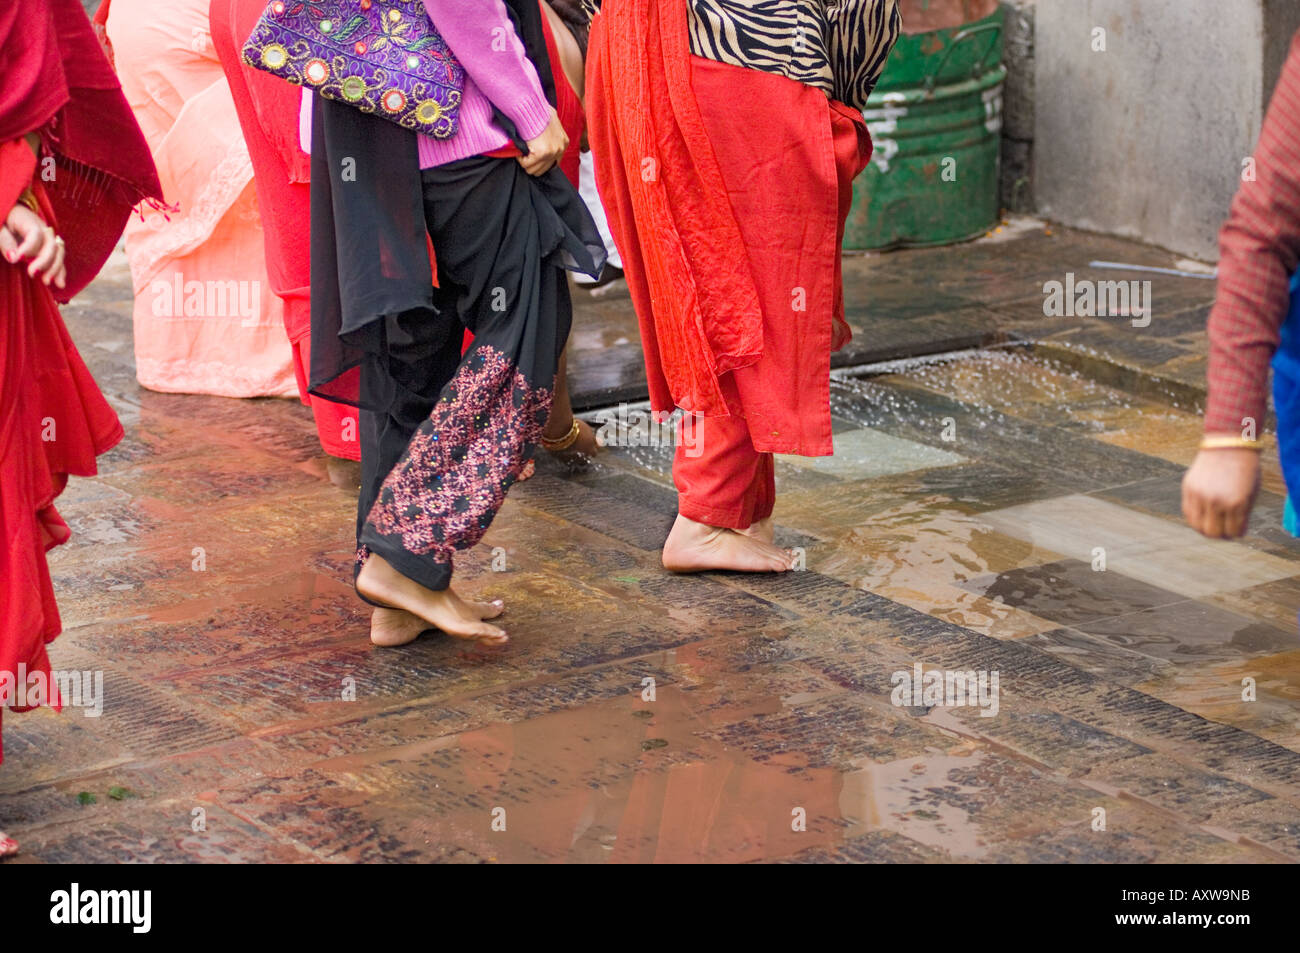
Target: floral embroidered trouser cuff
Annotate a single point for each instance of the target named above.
(444, 492)
(456, 433)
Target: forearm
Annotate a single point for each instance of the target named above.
(570, 56)
(1245, 324)
(1243, 340)
(483, 37)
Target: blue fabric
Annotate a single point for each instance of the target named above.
(1286, 399)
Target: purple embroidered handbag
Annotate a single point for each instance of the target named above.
(381, 56)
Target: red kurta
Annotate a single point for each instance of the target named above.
(736, 288)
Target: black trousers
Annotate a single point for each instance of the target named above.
(455, 431)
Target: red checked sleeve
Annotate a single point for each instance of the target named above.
(1260, 247)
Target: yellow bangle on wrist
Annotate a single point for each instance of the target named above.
(1231, 443)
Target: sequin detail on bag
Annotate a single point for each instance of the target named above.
(381, 56)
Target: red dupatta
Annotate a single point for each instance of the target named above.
(707, 313)
(95, 165)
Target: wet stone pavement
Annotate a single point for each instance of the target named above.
(1011, 511)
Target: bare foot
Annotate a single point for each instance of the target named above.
(764, 530)
(693, 547)
(483, 610)
(380, 582)
(8, 846)
(393, 627)
(345, 474)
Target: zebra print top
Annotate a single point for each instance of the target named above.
(838, 46)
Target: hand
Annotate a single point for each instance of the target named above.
(546, 149)
(1219, 492)
(25, 235)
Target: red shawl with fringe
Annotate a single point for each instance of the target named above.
(95, 165)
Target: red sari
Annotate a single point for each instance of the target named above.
(53, 419)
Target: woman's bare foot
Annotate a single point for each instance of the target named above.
(8, 846)
(694, 547)
(390, 628)
(345, 474)
(764, 530)
(484, 610)
(587, 443)
(393, 627)
(380, 582)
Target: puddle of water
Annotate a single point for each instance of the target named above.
(619, 781)
(902, 796)
(599, 784)
(920, 552)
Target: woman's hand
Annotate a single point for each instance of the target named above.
(1219, 492)
(546, 149)
(25, 235)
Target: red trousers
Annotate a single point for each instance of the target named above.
(721, 479)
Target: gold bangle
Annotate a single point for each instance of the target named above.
(28, 198)
(1231, 443)
(565, 442)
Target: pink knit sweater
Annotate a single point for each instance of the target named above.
(498, 73)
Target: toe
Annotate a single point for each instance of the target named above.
(490, 634)
(489, 610)
(479, 632)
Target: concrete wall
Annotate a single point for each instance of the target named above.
(1147, 138)
(1017, 173)
(1281, 20)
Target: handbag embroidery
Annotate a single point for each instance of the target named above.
(381, 56)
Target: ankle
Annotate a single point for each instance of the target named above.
(688, 530)
(552, 432)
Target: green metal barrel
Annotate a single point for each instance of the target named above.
(936, 122)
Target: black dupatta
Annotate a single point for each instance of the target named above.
(370, 271)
